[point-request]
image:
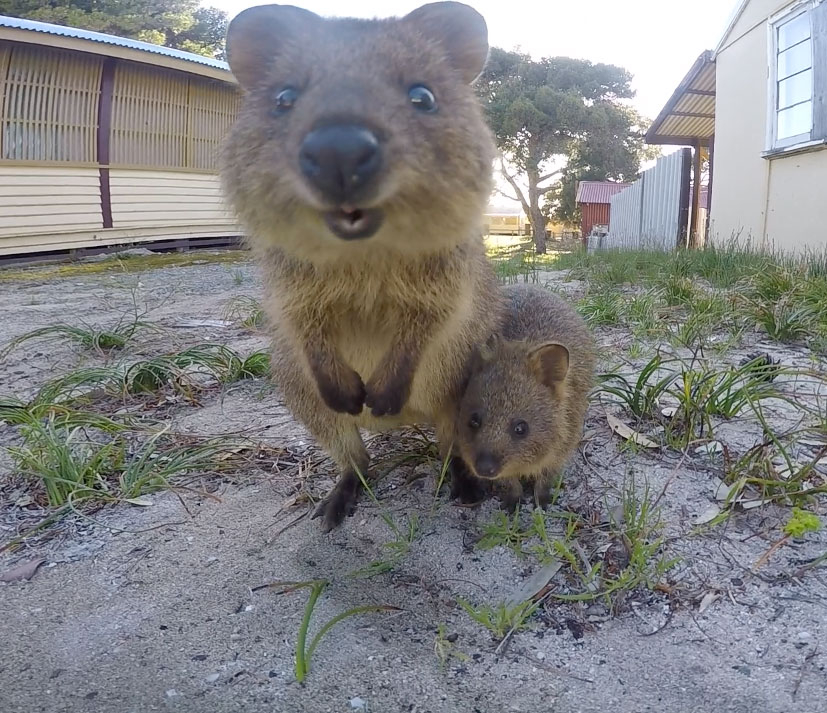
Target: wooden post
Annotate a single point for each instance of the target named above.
(709, 188)
(695, 233)
(104, 132)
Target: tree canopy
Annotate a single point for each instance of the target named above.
(181, 24)
(559, 120)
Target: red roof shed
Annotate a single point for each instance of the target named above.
(594, 199)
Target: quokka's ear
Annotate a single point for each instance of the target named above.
(461, 31)
(550, 362)
(487, 350)
(256, 35)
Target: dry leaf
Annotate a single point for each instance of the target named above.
(707, 515)
(143, 502)
(535, 584)
(709, 599)
(22, 572)
(725, 492)
(751, 504)
(710, 448)
(630, 434)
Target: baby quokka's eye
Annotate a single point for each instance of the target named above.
(519, 429)
(475, 421)
(284, 100)
(422, 98)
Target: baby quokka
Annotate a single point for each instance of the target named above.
(521, 415)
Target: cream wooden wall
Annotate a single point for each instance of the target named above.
(154, 198)
(45, 199)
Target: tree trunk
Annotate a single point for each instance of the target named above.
(538, 221)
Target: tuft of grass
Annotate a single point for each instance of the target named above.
(247, 311)
(19, 413)
(502, 618)
(634, 558)
(67, 464)
(101, 340)
(677, 290)
(602, 308)
(185, 372)
(304, 652)
(641, 396)
(71, 466)
(504, 530)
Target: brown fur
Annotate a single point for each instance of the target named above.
(539, 371)
(378, 332)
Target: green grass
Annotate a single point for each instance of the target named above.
(501, 618)
(603, 308)
(101, 340)
(246, 311)
(185, 372)
(71, 466)
(123, 264)
(305, 651)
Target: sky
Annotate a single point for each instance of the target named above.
(656, 40)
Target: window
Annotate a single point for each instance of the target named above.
(797, 40)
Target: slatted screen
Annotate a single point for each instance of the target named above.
(49, 105)
(149, 117)
(213, 107)
(165, 119)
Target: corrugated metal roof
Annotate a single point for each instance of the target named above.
(60, 30)
(598, 191)
(689, 115)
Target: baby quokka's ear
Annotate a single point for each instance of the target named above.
(487, 350)
(550, 363)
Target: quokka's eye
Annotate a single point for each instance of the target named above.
(422, 98)
(520, 429)
(285, 99)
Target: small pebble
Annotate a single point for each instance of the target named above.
(540, 656)
(213, 677)
(357, 704)
(171, 693)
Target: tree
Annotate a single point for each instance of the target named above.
(611, 149)
(180, 24)
(556, 112)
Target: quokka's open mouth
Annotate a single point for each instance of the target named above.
(354, 223)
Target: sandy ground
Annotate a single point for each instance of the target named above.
(152, 608)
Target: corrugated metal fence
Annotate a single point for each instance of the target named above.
(653, 212)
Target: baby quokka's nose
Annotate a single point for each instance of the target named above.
(340, 160)
(487, 465)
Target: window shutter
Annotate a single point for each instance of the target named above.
(819, 24)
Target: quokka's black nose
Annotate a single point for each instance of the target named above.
(341, 161)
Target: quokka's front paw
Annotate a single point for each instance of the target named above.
(465, 487)
(387, 399)
(345, 394)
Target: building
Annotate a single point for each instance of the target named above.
(505, 220)
(758, 105)
(105, 140)
(594, 199)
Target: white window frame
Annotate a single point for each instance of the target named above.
(774, 144)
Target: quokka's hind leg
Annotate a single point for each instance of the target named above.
(349, 452)
(336, 433)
